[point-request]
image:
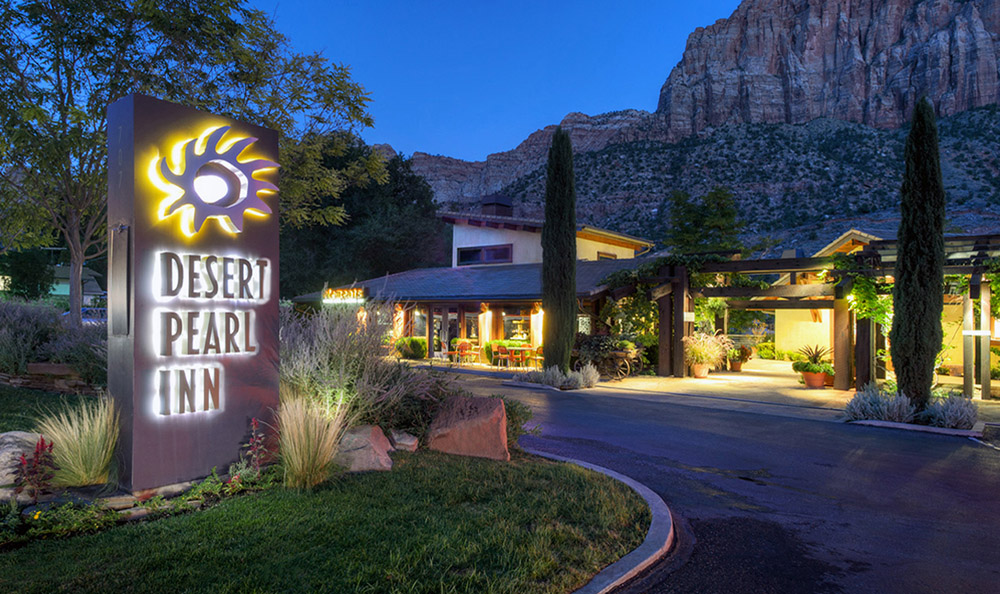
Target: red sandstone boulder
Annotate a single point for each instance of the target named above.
(364, 448)
(470, 427)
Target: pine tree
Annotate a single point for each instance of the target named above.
(559, 255)
(709, 223)
(917, 295)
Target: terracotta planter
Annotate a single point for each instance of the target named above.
(828, 380)
(735, 365)
(814, 380)
(699, 370)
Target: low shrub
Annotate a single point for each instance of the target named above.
(85, 437)
(412, 347)
(23, 330)
(395, 396)
(85, 349)
(590, 375)
(765, 350)
(587, 377)
(954, 412)
(868, 403)
(807, 367)
(309, 435)
(518, 415)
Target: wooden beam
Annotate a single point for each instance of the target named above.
(842, 340)
(430, 331)
(864, 353)
(816, 290)
(664, 360)
(984, 341)
(968, 347)
(769, 266)
(660, 292)
(773, 304)
(680, 298)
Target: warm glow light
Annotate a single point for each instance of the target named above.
(211, 188)
(196, 195)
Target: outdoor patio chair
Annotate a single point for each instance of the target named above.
(502, 355)
(536, 358)
(465, 352)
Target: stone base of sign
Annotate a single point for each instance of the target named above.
(470, 426)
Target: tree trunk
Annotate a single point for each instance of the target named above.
(76, 289)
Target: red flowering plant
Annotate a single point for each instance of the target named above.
(256, 448)
(34, 474)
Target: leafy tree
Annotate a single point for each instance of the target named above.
(916, 324)
(390, 227)
(62, 63)
(709, 223)
(29, 274)
(559, 254)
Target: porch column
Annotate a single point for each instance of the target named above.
(968, 347)
(461, 323)
(864, 354)
(430, 331)
(984, 340)
(445, 338)
(664, 360)
(880, 369)
(680, 323)
(842, 345)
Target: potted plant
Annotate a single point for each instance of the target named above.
(738, 356)
(702, 351)
(814, 368)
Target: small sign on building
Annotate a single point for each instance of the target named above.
(193, 288)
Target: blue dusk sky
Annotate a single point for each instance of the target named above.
(466, 79)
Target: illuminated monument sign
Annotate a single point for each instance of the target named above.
(193, 301)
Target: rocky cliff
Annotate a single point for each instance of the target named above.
(864, 61)
(457, 181)
(772, 61)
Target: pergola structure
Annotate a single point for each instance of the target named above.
(855, 341)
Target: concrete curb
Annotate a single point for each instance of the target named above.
(976, 431)
(656, 545)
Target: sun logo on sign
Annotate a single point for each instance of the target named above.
(212, 183)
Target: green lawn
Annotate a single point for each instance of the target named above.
(19, 407)
(435, 523)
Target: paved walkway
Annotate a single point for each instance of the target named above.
(764, 386)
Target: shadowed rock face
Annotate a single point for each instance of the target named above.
(864, 61)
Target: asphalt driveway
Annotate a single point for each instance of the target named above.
(784, 498)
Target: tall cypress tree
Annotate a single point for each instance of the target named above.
(559, 254)
(917, 295)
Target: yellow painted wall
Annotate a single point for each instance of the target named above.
(951, 325)
(586, 249)
(795, 328)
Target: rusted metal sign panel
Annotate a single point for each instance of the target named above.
(193, 293)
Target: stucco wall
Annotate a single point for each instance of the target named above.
(527, 244)
(795, 328)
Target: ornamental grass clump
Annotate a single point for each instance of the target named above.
(85, 437)
(706, 349)
(309, 434)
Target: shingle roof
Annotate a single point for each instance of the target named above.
(502, 282)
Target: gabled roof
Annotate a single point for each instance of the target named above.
(535, 226)
(502, 282)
